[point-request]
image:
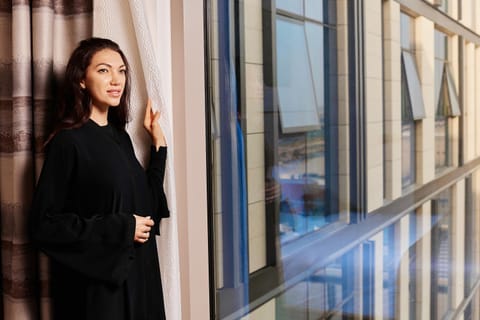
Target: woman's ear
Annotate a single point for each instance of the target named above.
(82, 84)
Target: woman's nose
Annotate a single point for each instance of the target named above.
(116, 78)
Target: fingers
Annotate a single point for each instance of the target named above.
(149, 107)
(151, 116)
(143, 226)
(148, 115)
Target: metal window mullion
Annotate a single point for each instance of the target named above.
(301, 18)
(357, 111)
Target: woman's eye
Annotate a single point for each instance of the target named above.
(123, 71)
(103, 70)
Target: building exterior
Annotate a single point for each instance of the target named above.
(343, 158)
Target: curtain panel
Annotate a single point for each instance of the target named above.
(36, 40)
(141, 28)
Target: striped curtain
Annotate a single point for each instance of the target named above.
(36, 39)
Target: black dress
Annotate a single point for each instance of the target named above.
(90, 186)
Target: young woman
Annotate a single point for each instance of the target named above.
(96, 210)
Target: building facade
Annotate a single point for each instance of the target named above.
(343, 159)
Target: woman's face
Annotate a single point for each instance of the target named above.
(105, 78)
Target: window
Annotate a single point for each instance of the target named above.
(413, 279)
(274, 131)
(441, 254)
(412, 100)
(446, 101)
(300, 66)
(442, 5)
(390, 262)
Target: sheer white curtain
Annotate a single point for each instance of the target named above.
(142, 29)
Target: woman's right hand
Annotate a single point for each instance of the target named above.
(143, 225)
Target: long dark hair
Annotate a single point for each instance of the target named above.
(73, 109)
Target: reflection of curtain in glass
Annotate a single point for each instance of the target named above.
(36, 40)
(233, 182)
(243, 210)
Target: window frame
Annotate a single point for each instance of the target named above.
(413, 107)
(447, 104)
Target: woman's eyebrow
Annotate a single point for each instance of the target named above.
(108, 65)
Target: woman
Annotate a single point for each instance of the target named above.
(95, 210)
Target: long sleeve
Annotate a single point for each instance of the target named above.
(99, 246)
(155, 175)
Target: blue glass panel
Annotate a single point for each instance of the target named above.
(441, 45)
(405, 31)
(452, 94)
(389, 272)
(294, 6)
(414, 89)
(441, 143)
(315, 38)
(298, 110)
(438, 80)
(441, 255)
(408, 154)
(314, 9)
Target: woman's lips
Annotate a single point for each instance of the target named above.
(114, 93)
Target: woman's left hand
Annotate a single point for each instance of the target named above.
(153, 127)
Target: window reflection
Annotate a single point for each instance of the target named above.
(447, 105)
(412, 101)
(301, 145)
(275, 157)
(441, 255)
(390, 262)
(326, 294)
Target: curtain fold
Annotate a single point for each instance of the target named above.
(127, 25)
(168, 248)
(37, 38)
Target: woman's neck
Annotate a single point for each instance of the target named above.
(99, 115)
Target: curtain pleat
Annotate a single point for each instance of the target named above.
(126, 23)
(169, 234)
(36, 39)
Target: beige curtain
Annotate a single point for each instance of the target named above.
(36, 39)
(142, 29)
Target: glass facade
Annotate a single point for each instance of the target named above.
(328, 189)
(408, 123)
(442, 136)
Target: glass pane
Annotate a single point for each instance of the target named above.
(441, 49)
(452, 94)
(294, 6)
(389, 272)
(301, 168)
(327, 293)
(315, 44)
(405, 31)
(438, 80)
(408, 135)
(414, 88)
(441, 143)
(444, 6)
(412, 266)
(441, 254)
(286, 243)
(314, 9)
(294, 78)
(408, 154)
